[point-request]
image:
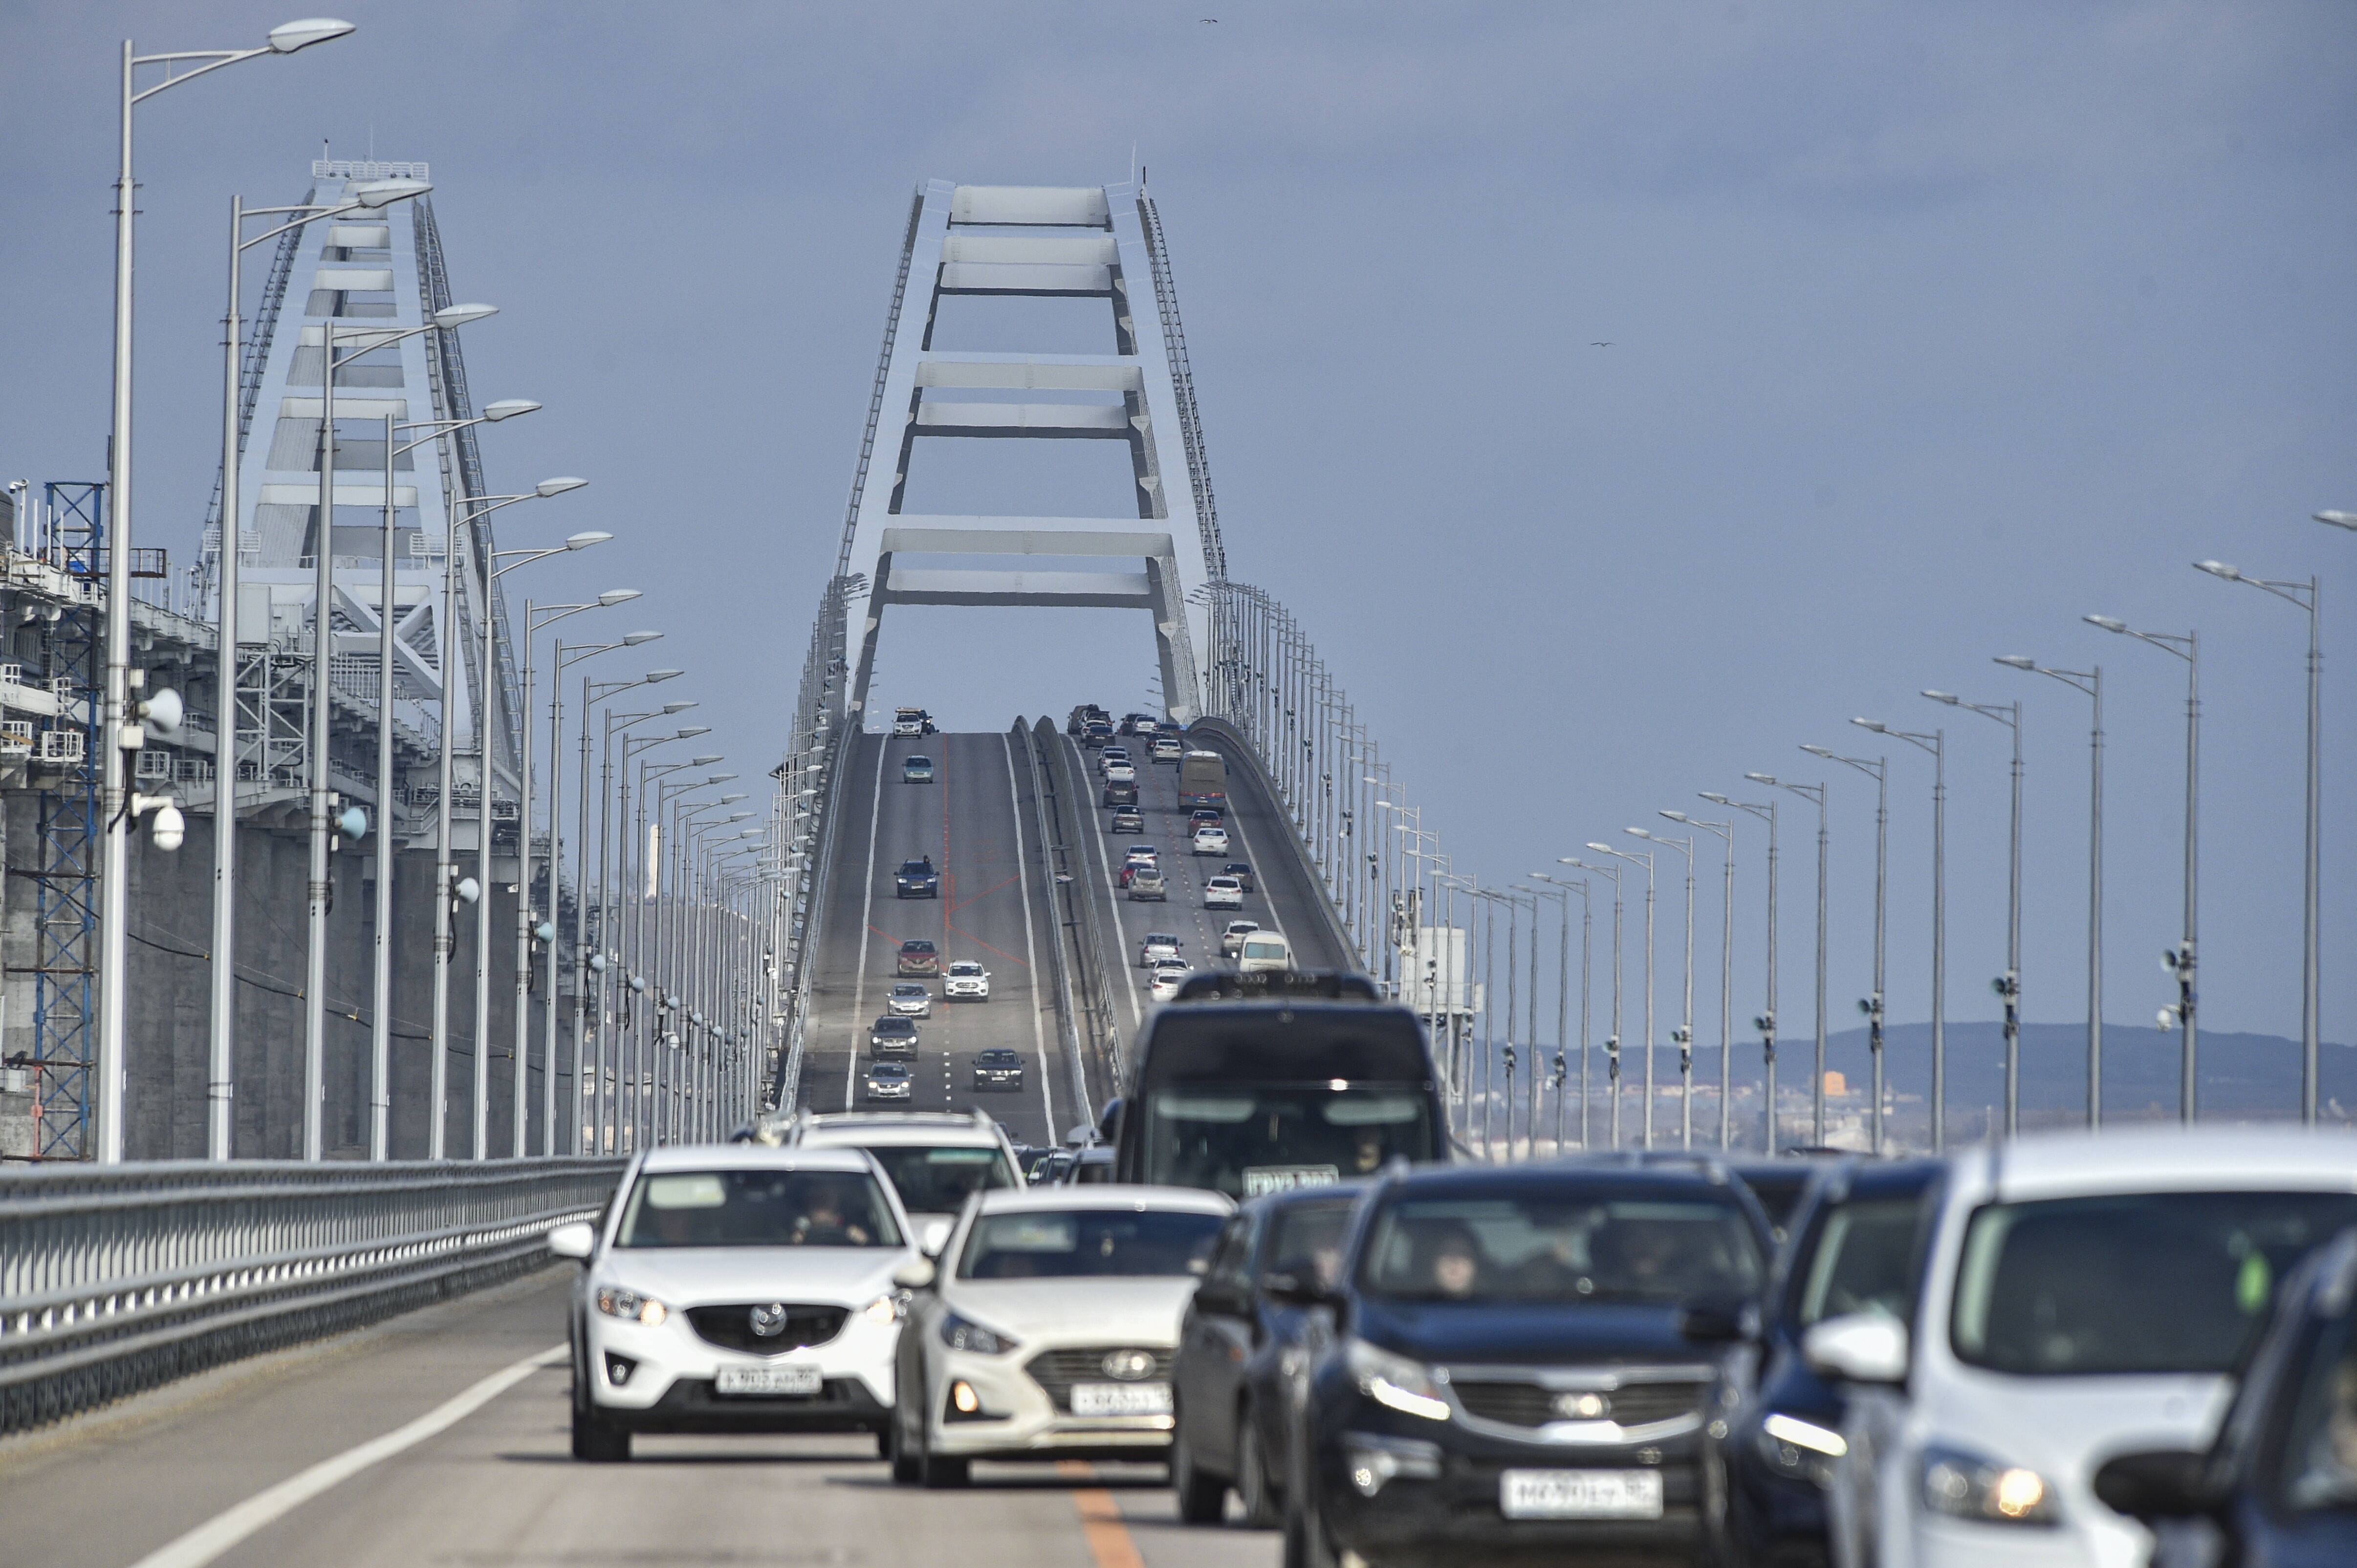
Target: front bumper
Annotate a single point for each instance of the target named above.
(998, 1080)
(1020, 1420)
(667, 1385)
(967, 993)
(1419, 1519)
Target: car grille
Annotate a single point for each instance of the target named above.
(731, 1328)
(1529, 1404)
(1058, 1370)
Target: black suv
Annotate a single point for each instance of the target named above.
(1852, 1246)
(892, 1036)
(917, 879)
(998, 1067)
(1234, 1346)
(1516, 1363)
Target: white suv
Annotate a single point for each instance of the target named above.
(736, 1288)
(967, 980)
(2080, 1296)
(934, 1159)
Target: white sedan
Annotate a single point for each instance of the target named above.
(1210, 841)
(1120, 773)
(1168, 976)
(1224, 893)
(967, 980)
(1047, 1327)
(736, 1288)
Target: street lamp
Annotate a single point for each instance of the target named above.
(1816, 793)
(1726, 833)
(114, 864)
(631, 873)
(1765, 1022)
(534, 619)
(363, 342)
(486, 709)
(1685, 1029)
(2305, 596)
(2008, 984)
(2090, 681)
(1646, 1141)
(1612, 1040)
(221, 1050)
(2180, 959)
(1562, 891)
(1935, 742)
(1874, 1005)
(1586, 950)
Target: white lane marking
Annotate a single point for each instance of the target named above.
(1120, 936)
(1030, 946)
(867, 924)
(223, 1530)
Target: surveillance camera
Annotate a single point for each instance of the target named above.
(170, 829)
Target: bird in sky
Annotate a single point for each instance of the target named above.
(1599, 345)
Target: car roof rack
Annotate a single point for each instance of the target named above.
(1279, 985)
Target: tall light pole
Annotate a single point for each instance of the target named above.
(2008, 986)
(1726, 833)
(449, 889)
(1874, 1005)
(487, 713)
(1612, 1040)
(381, 971)
(1816, 793)
(1935, 742)
(2305, 596)
(563, 658)
(1587, 952)
(1645, 860)
(115, 859)
(631, 875)
(1562, 1006)
(1685, 1029)
(220, 1046)
(533, 620)
(2179, 960)
(363, 342)
(1766, 1021)
(2090, 681)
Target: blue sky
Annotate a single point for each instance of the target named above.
(1933, 327)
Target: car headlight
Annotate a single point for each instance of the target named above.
(616, 1302)
(1393, 1379)
(1800, 1448)
(883, 1309)
(1964, 1485)
(964, 1334)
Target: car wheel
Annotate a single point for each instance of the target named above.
(595, 1440)
(903, 1457)
(1305, 1545)
(939, 1472)
(1263, 1508)
(1202, 1499)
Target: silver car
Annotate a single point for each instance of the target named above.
(910, 999)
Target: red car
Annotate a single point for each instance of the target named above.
(919, 956)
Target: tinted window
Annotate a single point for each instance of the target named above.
(936, 1180)
(2147, 1283)
(1865, 1262)
(2320, 1455)
(1251, 1138)
(1561, 1248)
(1087, 1242)
(1306, 1241)
(758, 1209)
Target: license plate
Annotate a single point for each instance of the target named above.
(1580, 1494)
(766, 1380)
(1121, 1399)
(1259, 1179)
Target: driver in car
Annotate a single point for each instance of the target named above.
(822, 1223)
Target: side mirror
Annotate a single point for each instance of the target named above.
(1718, 1322)
(1218, 1296)
(1860, 1348)
(1294, 1290)
(935, 1236)
(575, 1240)
(2164, 1483)
(914, 1274)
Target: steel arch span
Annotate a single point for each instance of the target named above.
(1041, 242)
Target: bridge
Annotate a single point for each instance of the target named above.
(418, 1257)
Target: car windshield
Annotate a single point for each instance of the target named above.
(917, 949)
(912, 989)
(999, 1057)
(894, 1026)
(756, 1208)
(1561, 1247)
(1246, 1139)
(1092, 1243)
(936, 1178)
(1865, 1262)
(2140, 1283)
(918, 762)
(884, 1071)
(914, 868)
(1306, 1241)
(965, 966)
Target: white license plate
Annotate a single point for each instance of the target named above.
(766, 1380)
(1260, 1179)
(1121, 1399)
(1580, 1494)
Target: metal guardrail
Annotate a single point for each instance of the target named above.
(115, 1278)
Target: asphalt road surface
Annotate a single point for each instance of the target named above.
(301, 1461)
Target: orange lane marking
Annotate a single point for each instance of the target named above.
(1101, 1520)
(957, 903)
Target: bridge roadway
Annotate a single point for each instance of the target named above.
(979, 821)
(217, 1470)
